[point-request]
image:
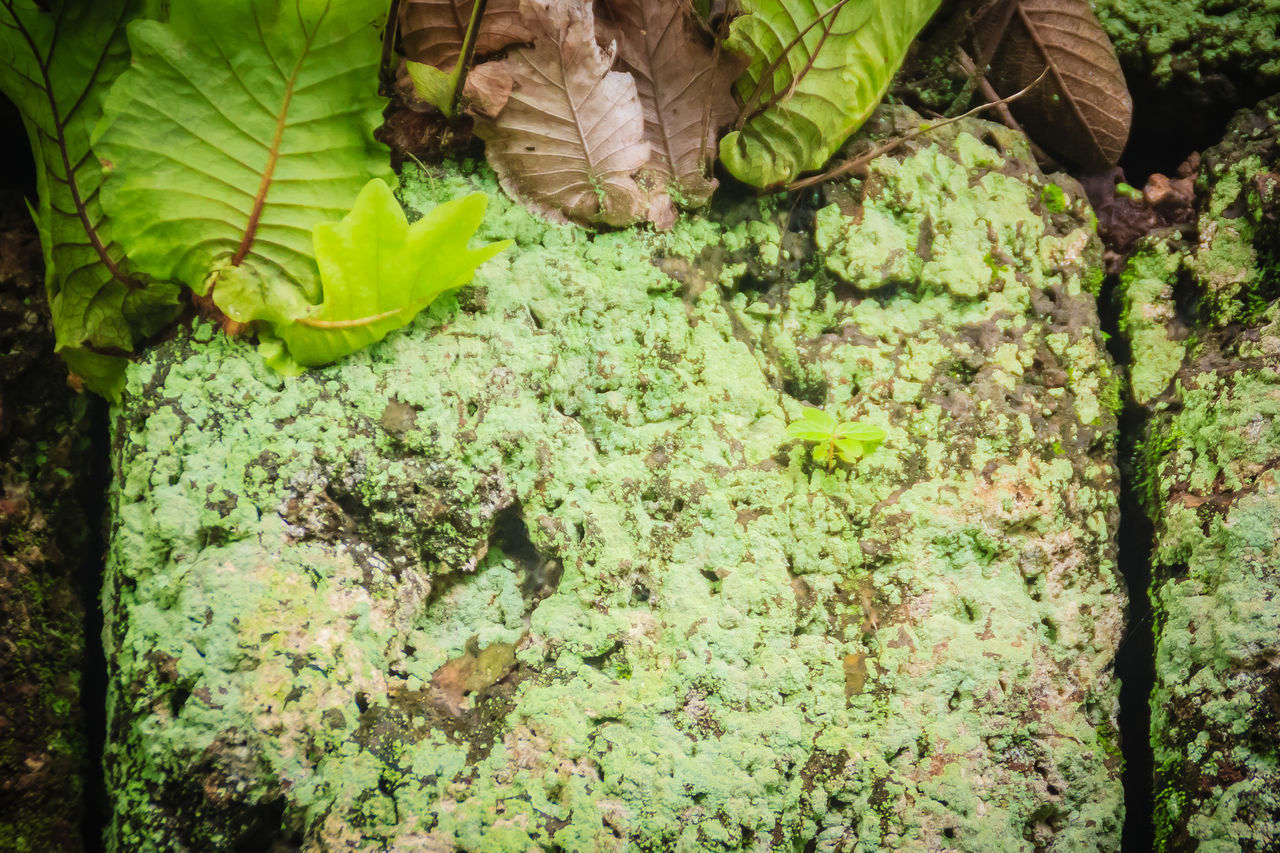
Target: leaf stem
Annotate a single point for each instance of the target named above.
(389, 30)
(706, 141)
(467, 54)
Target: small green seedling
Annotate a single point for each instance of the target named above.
(849, 440)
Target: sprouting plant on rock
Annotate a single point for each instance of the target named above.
(832, 438)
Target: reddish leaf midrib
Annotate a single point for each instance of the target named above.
(273, 155)
(268, 172)
(60, 139)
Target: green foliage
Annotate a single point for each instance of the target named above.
(241, 125)
(816, 73)
(378, 271)
(101, 306)
(849, 440)
(238, 136)
(441, 88)
(436, 87)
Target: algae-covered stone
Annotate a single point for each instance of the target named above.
(1215, 45)
(1237, 259)
(1193, 62)
(1211, 469)
(543, 571)
(1149, 319)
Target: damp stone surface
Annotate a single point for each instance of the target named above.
(1209, 466)
(544, 571)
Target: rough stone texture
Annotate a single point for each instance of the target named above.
(1222, 49)
(1149, 319)
(1191, 63)
(1211, 464)
(544, 572)
(43, 456)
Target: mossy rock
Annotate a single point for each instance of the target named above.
(543, 570)
(1191, 64)
(1210, 470)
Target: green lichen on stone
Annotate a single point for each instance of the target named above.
(1237, 261)
(1210, 471)
(1148, 316)
(1216, 587)
(315, 585)
(1195, 44)
(1053, 198)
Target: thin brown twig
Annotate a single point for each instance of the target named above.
(863, 160)
(1002, 107)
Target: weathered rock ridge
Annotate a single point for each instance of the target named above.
(1203, 318)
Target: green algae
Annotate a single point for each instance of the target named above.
(44, 541)
(1208, 471)
(1053, 198)
(1236, 261)
(1215, 585)
(1192, 42)
(582, 458)
(1147, 317)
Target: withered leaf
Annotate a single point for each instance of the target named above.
(686, 91)
(457, 681)
(1081, 110)
(570, 136)
(433, 30)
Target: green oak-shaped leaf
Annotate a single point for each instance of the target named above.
(242, 125)
(378, 271)
(101, 307)
(850, 440)
(817, 70)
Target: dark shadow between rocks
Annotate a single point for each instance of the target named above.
(1135, 662)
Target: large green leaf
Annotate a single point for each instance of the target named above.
(101, 307)
(378, 271)
(817, 70)
(241, 125)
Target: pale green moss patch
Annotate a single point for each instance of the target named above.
(717, 645)
(1148, 317)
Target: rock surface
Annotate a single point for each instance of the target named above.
(1191, 64)
(1210, 465)
(544, 571)
(44, 454)
(1224, 49)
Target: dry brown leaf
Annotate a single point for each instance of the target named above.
(685, 90)
(458, 680)
(433, 30)
(571, 135)
(1082, 110)
(485, 93)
